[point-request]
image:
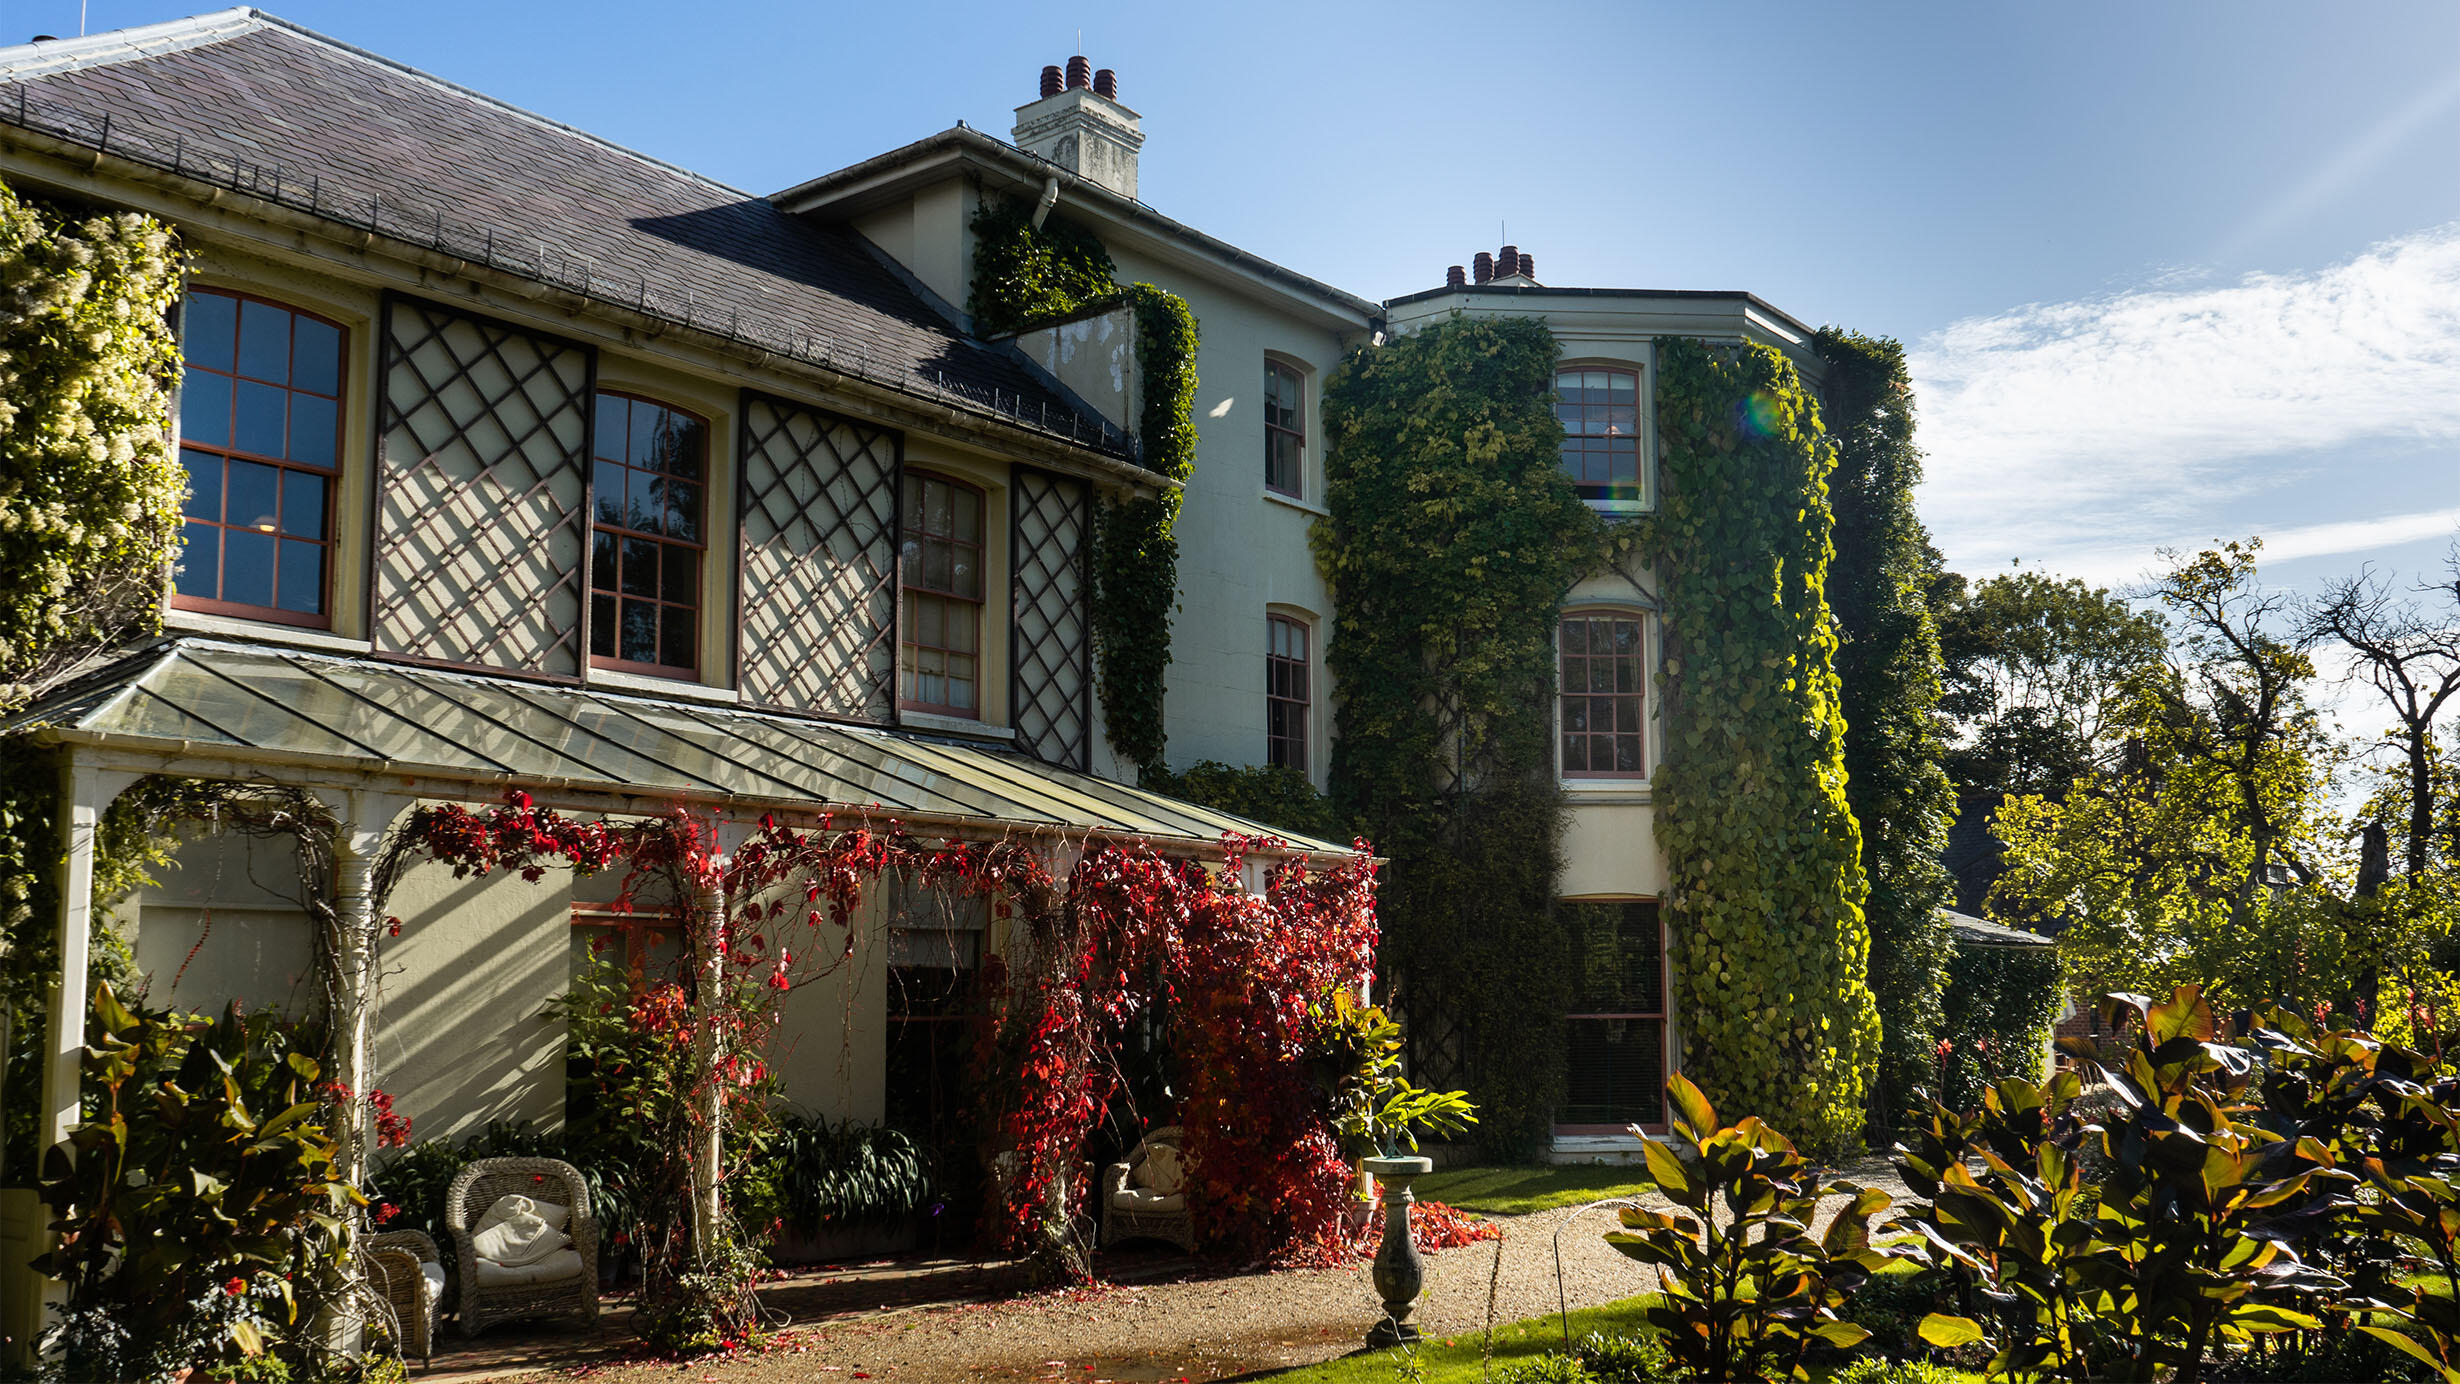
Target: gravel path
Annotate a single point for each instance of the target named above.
(1198, 1325)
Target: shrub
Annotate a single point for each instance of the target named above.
(843, 1174)
(1554, 1367)
(1894, 1372)
(1746, 1292)
(1624, 1359)
(204, 1187)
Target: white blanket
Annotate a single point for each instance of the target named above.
(517, 1231)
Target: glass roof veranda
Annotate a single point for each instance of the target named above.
(199, 703)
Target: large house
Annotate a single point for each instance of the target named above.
(518, 459)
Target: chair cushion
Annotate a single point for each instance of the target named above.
(512, 1204)
(434, 1274)
(1148, 1200)
(1163, 1170)
(564, 1263)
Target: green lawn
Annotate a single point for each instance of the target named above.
(1517, 1191)
(1458, 1359)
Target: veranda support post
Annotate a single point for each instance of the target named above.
(710, 904)
(86, 791)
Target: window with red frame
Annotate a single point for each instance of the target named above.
(1285, 429)
(650, 476)
(1600, 410)
(1604, 697)
(1286, 692)
(940, 567)
(260, 433)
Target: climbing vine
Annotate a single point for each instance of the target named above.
(1024, 275)
(1452, 540)
(1765, 884)
(1890, 669)
(89, 492)
(1276, 795)
(2001, 1004)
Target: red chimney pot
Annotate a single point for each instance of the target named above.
(1106, 84)
(1528, 268)
(1484, 265)
(1051, 80)
(1080, 72)
(1454, 278)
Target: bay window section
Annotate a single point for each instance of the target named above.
(939, 663)
(1600, 411)
(649, 477)
(1603, 696)
(260, 424)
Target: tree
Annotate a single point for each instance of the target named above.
(2202, 851)
(2035, 669)
(1889, 664)
(89, 492)
(2414, 661)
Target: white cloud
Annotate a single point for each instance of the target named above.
(2072, 432)
(2122, 564)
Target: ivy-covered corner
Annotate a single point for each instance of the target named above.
(1025, 274)
(1452, 538)
(1890, 670)
(1763, 857)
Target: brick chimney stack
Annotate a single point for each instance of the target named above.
(1078, 124)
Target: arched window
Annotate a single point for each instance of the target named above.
(939, 664)
(650, 476)
(1600, 409)
(1288, 691)
(260, 433)
(1604, 695)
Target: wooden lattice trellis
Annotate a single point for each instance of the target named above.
(482, 525)
(1051, 652)
(818, 571)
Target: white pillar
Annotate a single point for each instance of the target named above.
(361, 820)
(86, 790)
(709, 1152)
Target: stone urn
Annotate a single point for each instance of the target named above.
(1399, 1272)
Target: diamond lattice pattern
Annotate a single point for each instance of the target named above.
(1053, 635)
(482, 526)
(819, 562)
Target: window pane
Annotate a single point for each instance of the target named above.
(639, 639)
(679, 575)
(640, 505)
(264, 342)
(640, 570)
(204, 484)
(642, 449)
(682, 505)
(602, 626)
(967, 511)
(606, 481)
(247, 567)
(686, 443)
(1575, 754)
(960, 682)
(200, 562)
(207, 325)
(610, 430)
(313, 421)
(303, 506)
(261, 407)
(205, 409)
(936, 565)
(602, 564)
(316, 356)
(965, 572)
(930, 622)
(254, 499)
(960, 629)
(303, 577)
(675, 637)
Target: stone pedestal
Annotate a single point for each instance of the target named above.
(1399, 1272)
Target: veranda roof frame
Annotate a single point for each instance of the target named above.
(197, 706)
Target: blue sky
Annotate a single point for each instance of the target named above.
(2169, 272)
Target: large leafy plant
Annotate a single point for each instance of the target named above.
(1375, 1108)
(1747, 1287)
(204, 1163)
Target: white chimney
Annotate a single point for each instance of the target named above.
(1079, 124)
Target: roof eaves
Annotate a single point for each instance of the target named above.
(965, 139)
(1729, 295)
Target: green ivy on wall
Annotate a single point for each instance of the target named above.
(1273, 794)
(1763, 858)
(2001, 1004)
(1452, 540)
(1023, 275)
(1890, 668)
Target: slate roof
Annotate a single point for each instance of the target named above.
(1970, 931)
(261, 105)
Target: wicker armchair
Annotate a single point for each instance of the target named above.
(405, 1269)
(488, 1298)
(1133, 1206)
